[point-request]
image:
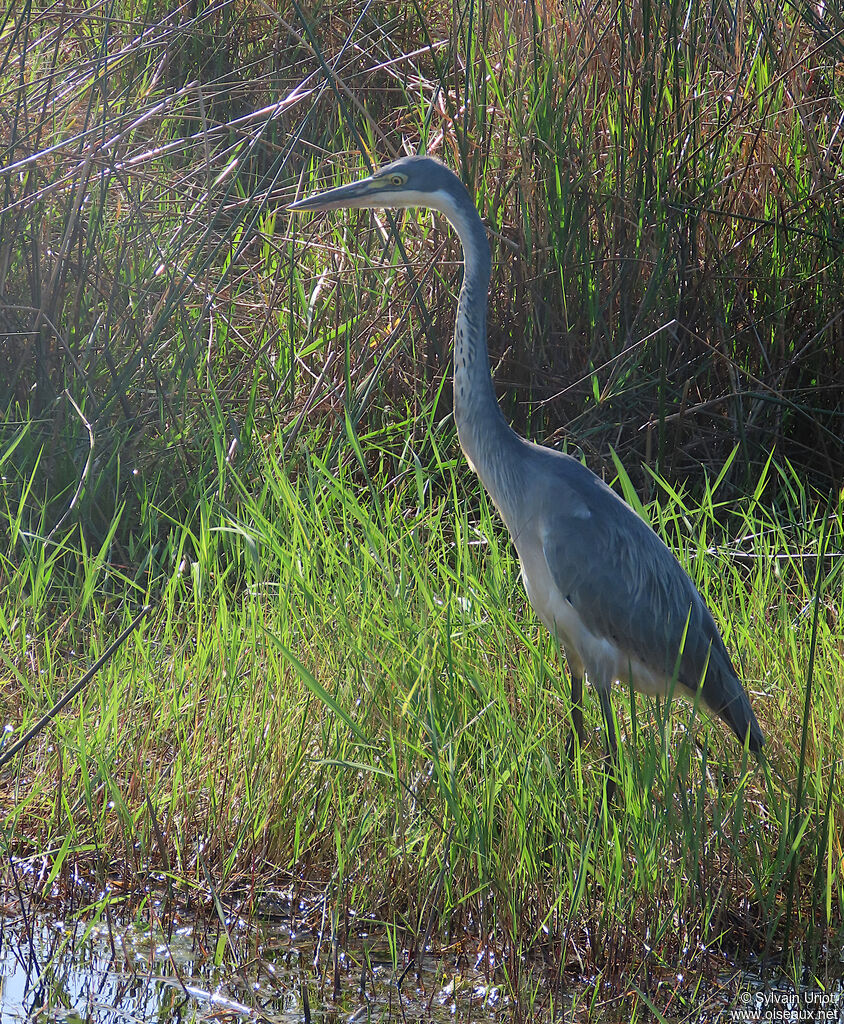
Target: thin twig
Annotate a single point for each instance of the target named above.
(7, 755)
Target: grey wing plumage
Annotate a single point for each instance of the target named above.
(628, 587)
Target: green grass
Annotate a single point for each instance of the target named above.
(243, 419)
(341, 688)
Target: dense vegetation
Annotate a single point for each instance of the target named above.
(242, 419)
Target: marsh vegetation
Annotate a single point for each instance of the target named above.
(243, 420)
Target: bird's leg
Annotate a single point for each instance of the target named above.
(576, 714)
(611, 761)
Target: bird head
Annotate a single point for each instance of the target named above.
(409, 181)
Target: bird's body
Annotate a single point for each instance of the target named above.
(596, 574)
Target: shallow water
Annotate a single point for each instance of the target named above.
(104, 974)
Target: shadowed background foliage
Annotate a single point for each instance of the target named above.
(661, 180)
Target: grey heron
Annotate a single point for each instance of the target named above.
(597, 575)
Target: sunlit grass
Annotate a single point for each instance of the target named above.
(342, 682)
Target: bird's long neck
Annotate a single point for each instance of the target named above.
(490, 445)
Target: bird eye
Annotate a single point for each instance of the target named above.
(397, 179)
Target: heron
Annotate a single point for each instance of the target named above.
(597, 575)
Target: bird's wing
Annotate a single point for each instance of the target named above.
(626, 585)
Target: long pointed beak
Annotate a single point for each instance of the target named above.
(354, 195)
